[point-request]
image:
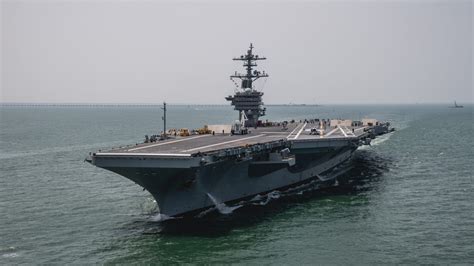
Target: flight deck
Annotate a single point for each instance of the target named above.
(186, 146)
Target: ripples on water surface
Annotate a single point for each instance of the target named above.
(408, 199)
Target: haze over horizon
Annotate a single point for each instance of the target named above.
(343, 52)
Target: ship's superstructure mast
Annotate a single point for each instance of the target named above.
(248, 99)
(250, 61)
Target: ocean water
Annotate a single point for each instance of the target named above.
(408, 199)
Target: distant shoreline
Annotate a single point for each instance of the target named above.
(157, 105)
(130, 105)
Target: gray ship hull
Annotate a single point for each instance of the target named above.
(188, 191)
(189, 174)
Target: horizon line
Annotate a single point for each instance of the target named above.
(213, 104)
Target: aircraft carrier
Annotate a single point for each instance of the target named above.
(190, 171)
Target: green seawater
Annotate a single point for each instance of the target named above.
(408, 200)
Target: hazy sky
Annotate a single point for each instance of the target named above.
(318, 51)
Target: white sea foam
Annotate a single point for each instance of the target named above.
(8, 252)
(222, 207)
(161, 218)
(10, 255)
(258, 197)
(379, 140)
(268, 198)
(203, 213)
(257, 200)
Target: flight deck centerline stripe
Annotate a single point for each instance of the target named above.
(222, 143)
(299, 132)
(164, 143)
(141, 154)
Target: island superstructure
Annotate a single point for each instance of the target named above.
(248, 100)
(188, 174)
(457, 105)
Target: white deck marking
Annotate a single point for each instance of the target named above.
(291, 133)
(141, 154)
(345, 133)
(350, 131)
(273, 132)
(330, 132)
(222, 143)
(164, 143)
(342, 130)
(301, 130)
(360, 128)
